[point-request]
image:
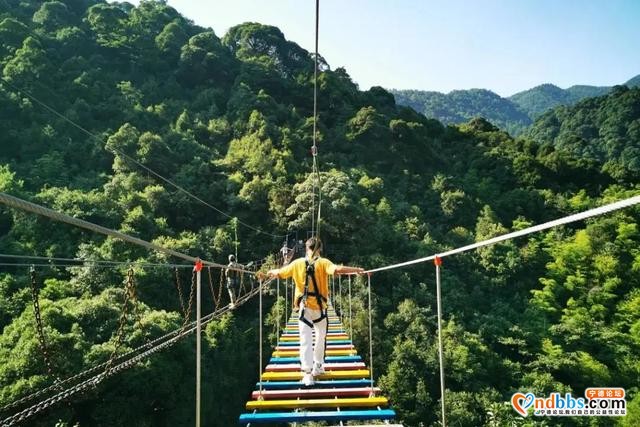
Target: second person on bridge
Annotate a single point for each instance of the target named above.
(311, 298)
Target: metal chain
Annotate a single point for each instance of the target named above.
(180, 296)
(129, 291)
(179, 334)
(242, 289)
(213, 294)
(187, 314)
(40, 330)
(220, 286)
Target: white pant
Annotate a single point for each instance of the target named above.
(309, 354)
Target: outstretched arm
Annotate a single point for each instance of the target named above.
(345, 269)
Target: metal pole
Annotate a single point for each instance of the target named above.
(198, 338)
(438, 262)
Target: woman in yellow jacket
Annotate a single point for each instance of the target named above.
(311, 296)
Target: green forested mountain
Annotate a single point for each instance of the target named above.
(634, 82)
(513, 114)
(541, 98)
(229, 119)
(604, 131)
(459, 106)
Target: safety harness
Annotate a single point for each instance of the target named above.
(315, 293)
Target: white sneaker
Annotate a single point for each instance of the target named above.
(307, 379)
(318, 369)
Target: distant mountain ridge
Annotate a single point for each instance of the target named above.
(460, 106)
(513, 114)
(541, 98)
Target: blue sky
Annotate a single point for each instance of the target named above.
(503, 45)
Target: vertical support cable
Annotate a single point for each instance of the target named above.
(260, 342)
(350, 314)
(198, 268)
(340, 293)
(333, 292)
(279, 308)
(370, 333)
(438, 262)
(314, 149)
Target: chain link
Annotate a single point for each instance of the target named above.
(129, 293)
(187, 314)
(40, 330)
(179, 287)
(220, 286)
(94, 381)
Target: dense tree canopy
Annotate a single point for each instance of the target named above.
(230, 120)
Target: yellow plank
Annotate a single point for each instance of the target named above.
(329, 375)
(318, 403)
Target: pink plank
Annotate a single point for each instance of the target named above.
(318, 392)
(290, 367)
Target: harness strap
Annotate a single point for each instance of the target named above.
(310, 272)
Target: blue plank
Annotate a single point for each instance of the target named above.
(292, 417)
(287, 385)
(328, 359)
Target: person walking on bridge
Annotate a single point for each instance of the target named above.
(311, 295)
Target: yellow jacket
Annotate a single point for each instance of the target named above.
(298, 270)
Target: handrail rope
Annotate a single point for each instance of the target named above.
(168, 181)
(540, 227)
(179, 334)
(106, 263)
(18, 203)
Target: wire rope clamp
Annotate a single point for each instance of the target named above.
(437, 261)
(314, 150)
(198, 265)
